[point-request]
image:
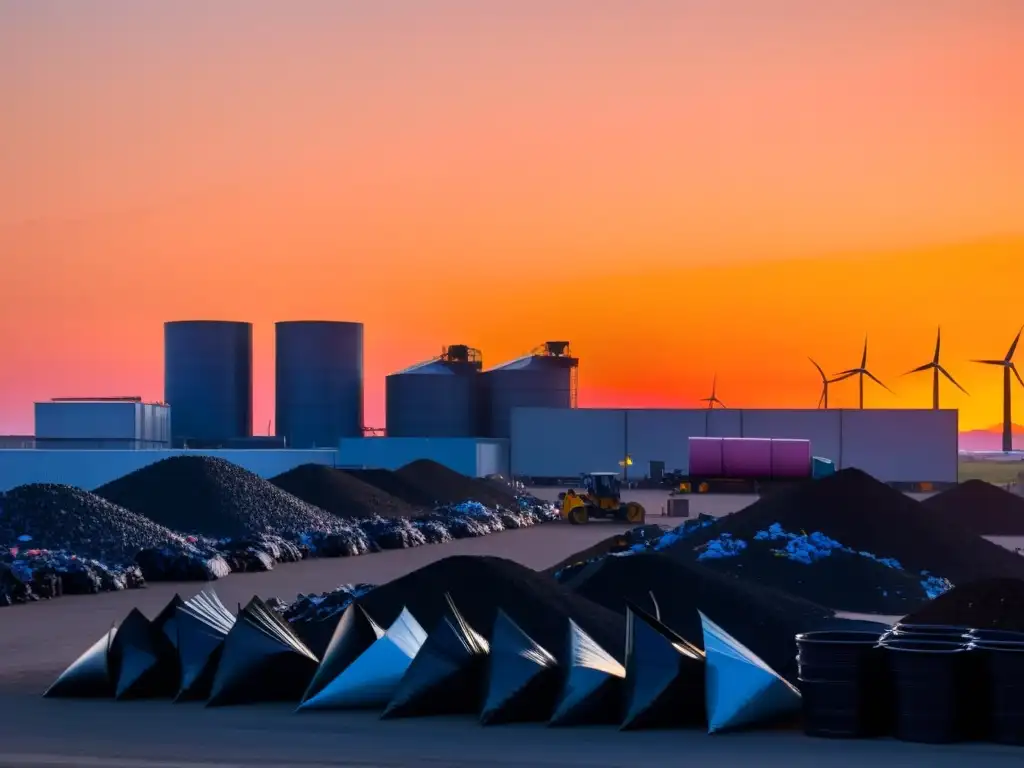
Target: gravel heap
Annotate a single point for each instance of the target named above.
(446, 486)
(980, 507)
(763, 619)
(479, 586)
(208, 496)
(985, 604)
(869, 516)
(340, 493)
(89, 544)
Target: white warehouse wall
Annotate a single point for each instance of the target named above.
(471, 456)
(910, 445)
(91, 469)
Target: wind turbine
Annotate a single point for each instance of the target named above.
(1007, 364)
(825, 381)
(860, 373)
(711, 401)
(936, 368)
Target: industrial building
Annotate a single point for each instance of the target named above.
(436, 398)
(113, 423)
(208, 379)
(548, 377)
(319, 382)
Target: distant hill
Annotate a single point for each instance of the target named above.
(990, 438)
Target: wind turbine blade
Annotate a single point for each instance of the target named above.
(877, 381)
(841, 376)
(821, 399)
(726, 406)
(925, 367)
(1013, 347)
(938, 341)
(956, 383)
(864, 356)
(1014, 369)
(990, 362)
(823, 376)
(850, 372)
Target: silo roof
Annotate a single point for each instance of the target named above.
(429, 367)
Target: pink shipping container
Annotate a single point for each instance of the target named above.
(791, 459)
(705, 456)
(746, 457)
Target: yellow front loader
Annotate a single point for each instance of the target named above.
(601, 497)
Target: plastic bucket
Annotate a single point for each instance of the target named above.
(841, 682)
(928, 679)
(1003, 664)
(997, 635)
(929, 632)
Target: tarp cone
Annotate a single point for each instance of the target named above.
(262, 660)
(740, 689)
(353, 636)
(372, 679)
(447, 677)
(592, 684)
(664, 675)
(523, 679)
(143, 661)
(166, 620)
(88, 676)
(202, 624)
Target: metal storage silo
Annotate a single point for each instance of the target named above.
(319, 375)
(436, 398)
(545, 378)
(208, 379)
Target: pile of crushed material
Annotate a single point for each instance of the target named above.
(982, 508)
(985, 604)
(198, 517)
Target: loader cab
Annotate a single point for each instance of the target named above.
(603, 486)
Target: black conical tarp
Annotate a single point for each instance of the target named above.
(262, 660)
(89, 675)
(371, 680)
(143, 662)
(664, 675)
(592, 684)
(202, 623)
(522, 677)
(355, 633)
(167, 620)
(448, 675)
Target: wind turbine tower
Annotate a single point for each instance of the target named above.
(825, 381)
(936, 368)
(713, 400)
(860, 373)
(1007, 364)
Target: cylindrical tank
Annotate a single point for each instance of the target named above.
(319, 376)
(544, 379)
(208, 379)
(743, 458)
(438, 398)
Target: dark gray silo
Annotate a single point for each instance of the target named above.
(319, 376)
(437, 398)
(208, 379)
(545, 378)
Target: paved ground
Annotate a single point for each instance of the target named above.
(37, 641)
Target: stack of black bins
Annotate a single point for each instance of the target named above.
(935, 683)
(1000, 656)
(842, 684)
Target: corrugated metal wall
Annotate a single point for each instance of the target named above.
(893, 445)
(563, 442)
(475, 457)
(95, 420)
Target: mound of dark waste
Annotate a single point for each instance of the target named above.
(869, 516)
(619, 542)
(844, 581)
(763, 619)
(390, 483)
(980, 507)
(480, 586)
(67, 519)
(984, 604)
(340, 493)
(446, 486)
(209, 496)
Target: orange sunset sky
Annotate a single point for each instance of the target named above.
(679, 187)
